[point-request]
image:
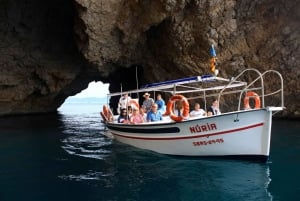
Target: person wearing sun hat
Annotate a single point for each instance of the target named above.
(147, 103)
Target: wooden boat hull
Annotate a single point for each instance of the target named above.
(242, 133)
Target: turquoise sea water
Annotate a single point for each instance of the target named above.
(65, 156)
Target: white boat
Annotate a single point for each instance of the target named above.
(235, 132)
(240, 130)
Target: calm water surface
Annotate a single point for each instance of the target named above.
(65, 156)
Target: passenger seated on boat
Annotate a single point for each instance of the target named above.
(147, 103)
(197, 112)
(154, 114)
(123, 118)
(143, 113)
(136, 117)
(178, 111)
(160, 103)
(214, 109)
(123, 102)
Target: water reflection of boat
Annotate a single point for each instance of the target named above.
(189, 179)
(225, 180)
(241, 130)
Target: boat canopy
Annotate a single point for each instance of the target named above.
(187, 85)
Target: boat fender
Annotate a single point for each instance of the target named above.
(106, 114)
(185, 104)
(251, 94)
(103, 117)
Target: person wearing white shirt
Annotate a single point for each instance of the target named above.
(197, 112)
(123, 102)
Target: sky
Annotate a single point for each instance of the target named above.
(95, 89)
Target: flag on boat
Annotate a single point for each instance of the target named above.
(213, 60)
(212, 51)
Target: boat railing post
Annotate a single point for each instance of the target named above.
(174, 89)
(247, 86)
(204, 96)
(281, 84)
(262, 92)
(260, 77)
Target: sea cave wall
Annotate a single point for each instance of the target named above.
(52, 49)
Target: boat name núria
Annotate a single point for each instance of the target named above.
(203, 128)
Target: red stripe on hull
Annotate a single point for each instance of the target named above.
(191, 137)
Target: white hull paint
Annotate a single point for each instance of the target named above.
(241, 133)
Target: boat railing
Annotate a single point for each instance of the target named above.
(276, 91)
(280, 90)
(248, 87)
(251, 87)
(235, 86)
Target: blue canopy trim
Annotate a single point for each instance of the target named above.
(178, 81)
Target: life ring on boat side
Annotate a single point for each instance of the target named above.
(134, 103)
(106, 114)
(251, 94)
(170, 105)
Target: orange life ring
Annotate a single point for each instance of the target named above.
(106, 114)
(170, 105)
(251, 94)
(134, 103)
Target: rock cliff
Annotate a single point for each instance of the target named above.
(52, 49)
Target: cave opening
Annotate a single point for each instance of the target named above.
(94, 95)
(94, 90)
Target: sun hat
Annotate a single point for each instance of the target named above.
(146, 94)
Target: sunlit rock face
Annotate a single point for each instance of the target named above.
(51, 49)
